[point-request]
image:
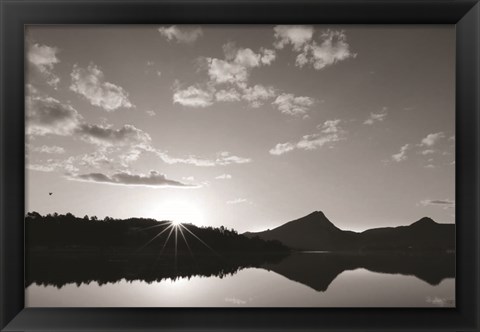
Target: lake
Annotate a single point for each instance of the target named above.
(313, 279)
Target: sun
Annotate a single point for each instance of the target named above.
(179, 212)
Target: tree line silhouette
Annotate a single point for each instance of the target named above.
(136, 235)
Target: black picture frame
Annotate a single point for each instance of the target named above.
(465, 14)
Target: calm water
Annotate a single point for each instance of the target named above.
(301, 280)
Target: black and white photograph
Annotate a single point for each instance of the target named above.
(240, 166)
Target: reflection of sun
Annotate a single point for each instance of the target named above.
(179, 211)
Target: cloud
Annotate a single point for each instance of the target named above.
(49, 149)
(376, 117)
(91, 84)
(237, 201)
(46, 115)
(223, 177)
(95, 159)
(431, 139)
(153, 179)
(238, 62)
(330, 132)
(332, 49)
(107, 136)
(402, 155)
(40, 168)
(66, 165)
(193, 97)
(446, 203)
(296, 35)
(185, 35)
(282, 148)
(287, 103)
(43, 58)
(427, 152)
(222, 159)
(151, 112)
(258, 94)
(227, 95)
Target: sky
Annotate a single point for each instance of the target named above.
(247, 127)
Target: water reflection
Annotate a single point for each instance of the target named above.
(314, 269)
(317, 270)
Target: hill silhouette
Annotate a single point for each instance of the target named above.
(316, 232)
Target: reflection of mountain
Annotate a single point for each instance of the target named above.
(318, 270)
(316, 232)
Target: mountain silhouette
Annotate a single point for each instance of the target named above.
(316, 232)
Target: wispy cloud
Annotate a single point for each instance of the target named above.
(153, 179)
(296, 35)
(258, 94)
(238, 62)
(127, 135)
(185, 34)
(288, 103)
(330, 132)
(376, 117)
(446, 203)
(402, 155)
(49, 149)
(151, 112)
(46, 115)
(332, 46)
(90, 83)
(432, 139)
(223, 158)
(193, 96)
(44, 58)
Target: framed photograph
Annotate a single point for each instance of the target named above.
(240, 165)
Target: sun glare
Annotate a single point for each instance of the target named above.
(179, 212)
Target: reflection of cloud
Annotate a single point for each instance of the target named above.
(186, 35)
(235, 300)
(91, 84)
(331, 132)
(440, 301)
(223, 177)
(237, 201)
(153, 179)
